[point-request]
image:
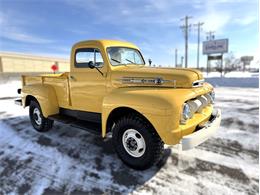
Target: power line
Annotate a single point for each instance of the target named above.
(185, 28)
(198, 25)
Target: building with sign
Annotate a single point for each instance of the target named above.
(23, 63)
(219, 46)
(214, 49)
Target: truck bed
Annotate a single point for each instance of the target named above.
(27, 79)
(59, 82)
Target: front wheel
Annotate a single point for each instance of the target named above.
(136, 142)
(38, 121)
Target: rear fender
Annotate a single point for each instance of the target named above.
(45, 95)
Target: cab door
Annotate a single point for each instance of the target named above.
(88, 86)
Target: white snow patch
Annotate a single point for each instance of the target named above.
(10, 89)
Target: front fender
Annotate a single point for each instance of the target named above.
(156, 107)
(45, 95)
(162, 107)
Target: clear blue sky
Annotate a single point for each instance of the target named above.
(50, 27)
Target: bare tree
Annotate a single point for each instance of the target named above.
(231, 63)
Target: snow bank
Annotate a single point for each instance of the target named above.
(234, 74)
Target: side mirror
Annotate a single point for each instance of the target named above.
(91, 65)
(150, 62)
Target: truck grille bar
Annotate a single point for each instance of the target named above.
(198, 104)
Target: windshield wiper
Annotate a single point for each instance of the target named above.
(116, 60)
(130, 61)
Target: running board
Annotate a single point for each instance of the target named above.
(18, 102)
(62, 118)
(91, 127)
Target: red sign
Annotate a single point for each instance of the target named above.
(54, 67)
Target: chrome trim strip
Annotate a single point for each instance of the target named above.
(146, 80)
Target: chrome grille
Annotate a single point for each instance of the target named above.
(194, 105)
(198, 104)
(204, 102)
(209, 98)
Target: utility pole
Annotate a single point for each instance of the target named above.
(185, 28)
(181, 61)
(198, 25)
(176, 57)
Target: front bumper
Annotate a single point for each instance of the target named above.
(190, 141)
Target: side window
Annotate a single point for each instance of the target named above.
(86, 55)
(98, 58)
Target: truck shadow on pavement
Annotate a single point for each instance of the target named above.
(69, 160)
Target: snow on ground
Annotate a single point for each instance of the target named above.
(9, 89)
(72, 161)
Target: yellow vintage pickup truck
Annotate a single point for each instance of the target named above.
(109, 91)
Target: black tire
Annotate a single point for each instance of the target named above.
(45, 125)
(153, 144)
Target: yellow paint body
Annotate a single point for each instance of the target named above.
(85, 89)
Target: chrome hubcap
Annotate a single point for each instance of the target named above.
(37, 116)
(133, 143)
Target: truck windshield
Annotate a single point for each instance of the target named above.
(123, 56)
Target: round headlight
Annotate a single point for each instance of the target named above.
(186, 114)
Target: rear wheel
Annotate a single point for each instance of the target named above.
(38, 121)
(136, 142)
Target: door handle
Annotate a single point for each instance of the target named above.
(72, 78)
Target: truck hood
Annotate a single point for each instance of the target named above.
(132, 75)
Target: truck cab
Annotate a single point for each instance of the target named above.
(111, 92)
